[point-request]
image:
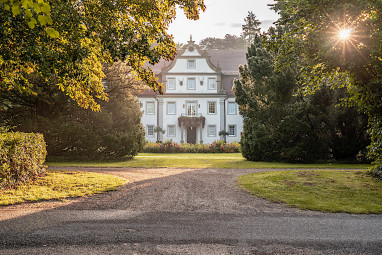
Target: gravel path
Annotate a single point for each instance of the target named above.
(182, 211)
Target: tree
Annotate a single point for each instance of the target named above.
(228, 42)
(70, 131)
(91, 33)
(283, 125)
(340, 42)
(251, 27)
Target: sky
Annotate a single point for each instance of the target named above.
(220, 18)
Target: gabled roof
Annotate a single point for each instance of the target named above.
(228, 60)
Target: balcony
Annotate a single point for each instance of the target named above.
(192, 115)
(191, 120)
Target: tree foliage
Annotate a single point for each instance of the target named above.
(313, 29)
(228, 42)
(91, 32)
(250, 28)
(283, 125)
(70, 131)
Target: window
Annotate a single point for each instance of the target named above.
(211, 107)
(231, 130)
(171, 83)
(212, 130)
(150, 108)
(150, 130)
(211, 83)
(231, 108)
(191, 83)
(191, 109)
(171, 130)
(191, 64)
(171, 108)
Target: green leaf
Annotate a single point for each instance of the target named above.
(46, 8)
(16, 10)
(49, 20)
(42, 20)
(32, 23)
(36, 8)
(28, 14)
(52, 32)
(6, 7)
(24, 4)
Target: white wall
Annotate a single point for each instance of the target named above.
(233, 119)
(202, 109)
(201, 66)
(199, 87)
(148, 119)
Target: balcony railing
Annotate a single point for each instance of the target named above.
(192, 115)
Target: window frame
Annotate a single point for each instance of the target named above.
(208, 84)
(147, 107)
(188, 83)
(235, 109)
(208, 107)
(191, 61)
(208, 130)
(188, 104)
(168, 130)
(147, 131)
(168, 83)
(167, 106)
(229, 131)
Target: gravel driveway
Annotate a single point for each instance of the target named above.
(182, 211)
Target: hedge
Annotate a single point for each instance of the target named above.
(171, 147)
(22, 156)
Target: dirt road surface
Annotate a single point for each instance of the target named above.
(181, 211)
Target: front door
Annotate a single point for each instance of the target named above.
(191, 135)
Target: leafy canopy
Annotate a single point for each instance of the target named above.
(82, 35)
(355, 62)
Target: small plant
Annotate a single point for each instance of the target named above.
(169, 146)
(223, 134)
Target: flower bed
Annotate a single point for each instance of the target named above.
(171, 147)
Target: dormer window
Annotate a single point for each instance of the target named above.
(191, 64)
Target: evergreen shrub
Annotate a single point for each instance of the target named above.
(22, 157)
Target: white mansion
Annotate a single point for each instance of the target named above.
(197, 102)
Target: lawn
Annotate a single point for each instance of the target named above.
(61, 185)
(321, 190)
(198, 160)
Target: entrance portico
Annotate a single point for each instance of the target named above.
(191, 124)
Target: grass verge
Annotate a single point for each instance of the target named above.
(320, 190)
(61, 185)
(199, 160)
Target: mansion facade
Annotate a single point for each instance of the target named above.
(198, 101)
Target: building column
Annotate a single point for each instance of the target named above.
(222, 113)
(201, 134)
(181, 133)
(160, 118)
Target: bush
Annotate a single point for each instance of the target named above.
(171, 147)
(22, 156)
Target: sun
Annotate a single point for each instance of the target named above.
(344, 34)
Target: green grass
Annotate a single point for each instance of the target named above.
(320, 190)
(61, 185)
(198, 160)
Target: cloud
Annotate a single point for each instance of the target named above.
(267, 22)
(236, 24)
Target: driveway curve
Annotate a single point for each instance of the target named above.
(182, 211)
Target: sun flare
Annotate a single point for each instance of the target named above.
(344, 34)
